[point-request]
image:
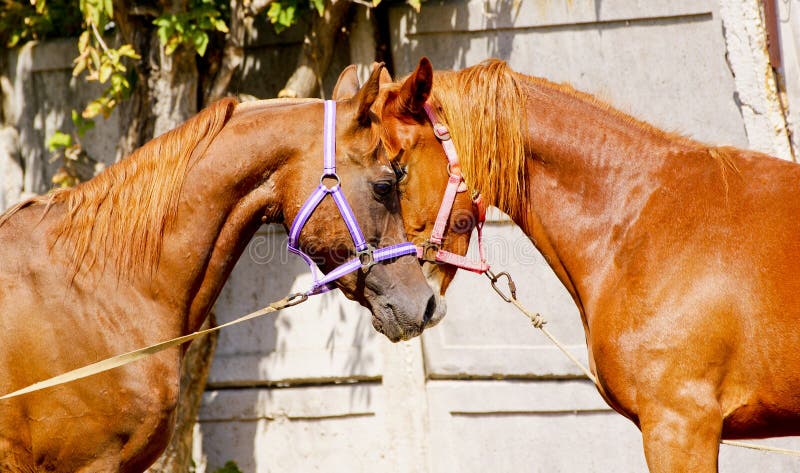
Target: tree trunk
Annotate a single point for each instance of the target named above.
(315, 58)
(11, 175)
(177, 458)
(165, 95)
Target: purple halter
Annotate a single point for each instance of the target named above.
(366, 254)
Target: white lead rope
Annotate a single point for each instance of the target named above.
(538, 321)
(131, 356)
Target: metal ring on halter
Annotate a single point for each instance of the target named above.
(429, 251)
(330, 176)
(441, 131)
(450, 170)
(294, 299)
(366, 256)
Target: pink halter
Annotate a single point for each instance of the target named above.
(431, 250)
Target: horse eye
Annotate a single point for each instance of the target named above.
(383, 188)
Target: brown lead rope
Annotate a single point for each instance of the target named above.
(538, 321)
(130, 357)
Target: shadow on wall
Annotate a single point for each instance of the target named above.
(489, 31)
(323, 339)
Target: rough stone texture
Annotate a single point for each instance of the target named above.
(789, 16)
(10, 167)
(549, 426)
(660, 61)
(484, 336)
(327, 338)
(745, 37)
(331, 428)
(42, 96)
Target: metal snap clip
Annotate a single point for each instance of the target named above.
(512, 288)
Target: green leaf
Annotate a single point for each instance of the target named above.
(14, 40)
(59, 140)
(79, 67)
(220, 25)
(200, 43)
(94, 109)
(105, 72)
(230, 467)
(286, 17)
(127, 50)
(83, 125)
(171, 47)
(120, 82)
(274, 9)
(320, 6)
(83, 41)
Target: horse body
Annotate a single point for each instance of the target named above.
(680, 256)
(50, 327)
(140, 253)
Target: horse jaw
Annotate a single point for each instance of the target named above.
(435, 276)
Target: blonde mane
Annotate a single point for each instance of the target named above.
(483, 108)
(123, 213)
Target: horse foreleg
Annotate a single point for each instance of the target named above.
(681, 438)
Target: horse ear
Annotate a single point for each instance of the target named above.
(417, 88)
(368, 93)
(347, 85)
(385, 78)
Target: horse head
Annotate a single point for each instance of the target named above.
(407, 135)
(369, 175)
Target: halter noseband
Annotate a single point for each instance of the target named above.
(431, 250)
(366, 254)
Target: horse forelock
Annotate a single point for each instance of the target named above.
(121, 215)
(483, 107)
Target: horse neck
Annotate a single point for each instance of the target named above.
(227, 196)
(590, 172)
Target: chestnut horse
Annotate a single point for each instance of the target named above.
(407, 136)
(680, 256)
(139, 254)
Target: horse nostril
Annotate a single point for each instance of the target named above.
(429, 310)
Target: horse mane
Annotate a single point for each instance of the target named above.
(483, 109)
(124, 211)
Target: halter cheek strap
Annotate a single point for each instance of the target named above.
(431, 250)
(366, 254)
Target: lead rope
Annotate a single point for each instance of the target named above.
(131, 356)
(538, 321)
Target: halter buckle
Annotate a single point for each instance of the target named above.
(429, 251)
(366, 256)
